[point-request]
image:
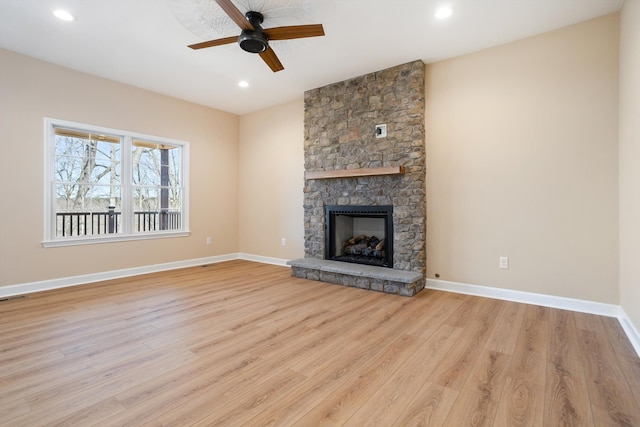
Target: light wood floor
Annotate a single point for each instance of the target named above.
(241, 343)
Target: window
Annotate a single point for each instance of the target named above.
(105, 185)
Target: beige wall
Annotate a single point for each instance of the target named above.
(31, 90)
(630, 161)
(522, 162)
(271, 181)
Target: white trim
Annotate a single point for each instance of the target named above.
(46, 285)
(91, 240)
(48, 211)
(184, 184)
(582, 306)
(552, 301)
(264, 259)
(63, 282)
(630, 330)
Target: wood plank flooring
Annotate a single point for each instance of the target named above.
(241, 343)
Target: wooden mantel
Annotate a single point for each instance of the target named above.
(351, 173)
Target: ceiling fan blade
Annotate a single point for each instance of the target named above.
(235, 14)
(294, 32)
(269, 56)
(216, 42)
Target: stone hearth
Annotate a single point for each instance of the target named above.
(400, 282)
(340, 122)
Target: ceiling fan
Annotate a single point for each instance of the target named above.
(255, 39)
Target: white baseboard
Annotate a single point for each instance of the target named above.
(583, 306)
(630, 330)
(572, 304)
(264, 259)
(46, 285)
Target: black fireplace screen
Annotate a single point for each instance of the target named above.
(359, 234)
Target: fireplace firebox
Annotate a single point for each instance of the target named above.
(359, 234)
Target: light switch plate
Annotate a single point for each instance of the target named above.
(504, 262)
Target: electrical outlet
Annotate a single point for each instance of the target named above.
(208, 240)
(284, 242)
(504, 262)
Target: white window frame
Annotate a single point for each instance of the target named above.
(50, 240)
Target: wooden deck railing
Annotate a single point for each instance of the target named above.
(92, 223)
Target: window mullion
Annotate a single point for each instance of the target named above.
(126, 181)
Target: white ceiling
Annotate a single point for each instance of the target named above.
(144, 42)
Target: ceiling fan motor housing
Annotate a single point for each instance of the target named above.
(253, 41)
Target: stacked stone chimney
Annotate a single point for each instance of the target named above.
(340, 122)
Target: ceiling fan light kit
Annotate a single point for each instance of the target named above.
(255, 39)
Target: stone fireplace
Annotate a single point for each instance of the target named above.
(349, 166)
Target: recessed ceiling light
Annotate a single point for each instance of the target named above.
(444, 12)
(63, 14)
(243, 84)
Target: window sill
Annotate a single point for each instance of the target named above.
(91, 240)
